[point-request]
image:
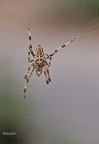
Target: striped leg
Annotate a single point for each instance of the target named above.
(27, 77)
(29, 56)
(52, 54)
(30, 45)
(48, 59)
(46, 77)
(46, 73)
(31, 72)
(49, 79)
(25, 87)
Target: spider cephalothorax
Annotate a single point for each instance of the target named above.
(40, 61)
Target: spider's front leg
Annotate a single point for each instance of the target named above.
(30, 51)
(30, 61)
(30, 46)
(29, 71)
(64, 45)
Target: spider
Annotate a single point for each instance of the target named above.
(40, 61)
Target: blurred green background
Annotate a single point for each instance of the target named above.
(67, 110)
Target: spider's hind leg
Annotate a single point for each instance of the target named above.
(47, 75)
(49, 79)
(25, 87)
(27, 77)
(26, 74)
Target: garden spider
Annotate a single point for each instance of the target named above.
(40, 62)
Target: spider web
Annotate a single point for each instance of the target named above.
(47, 121)
(66, 110)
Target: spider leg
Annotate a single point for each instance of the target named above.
(52, 54)
(46, 77)
(31, 72)
(25, 87)
(30, 45)
(29, 57)
(49, 79)
(27, 77)
(46, 73)
(48, 57)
